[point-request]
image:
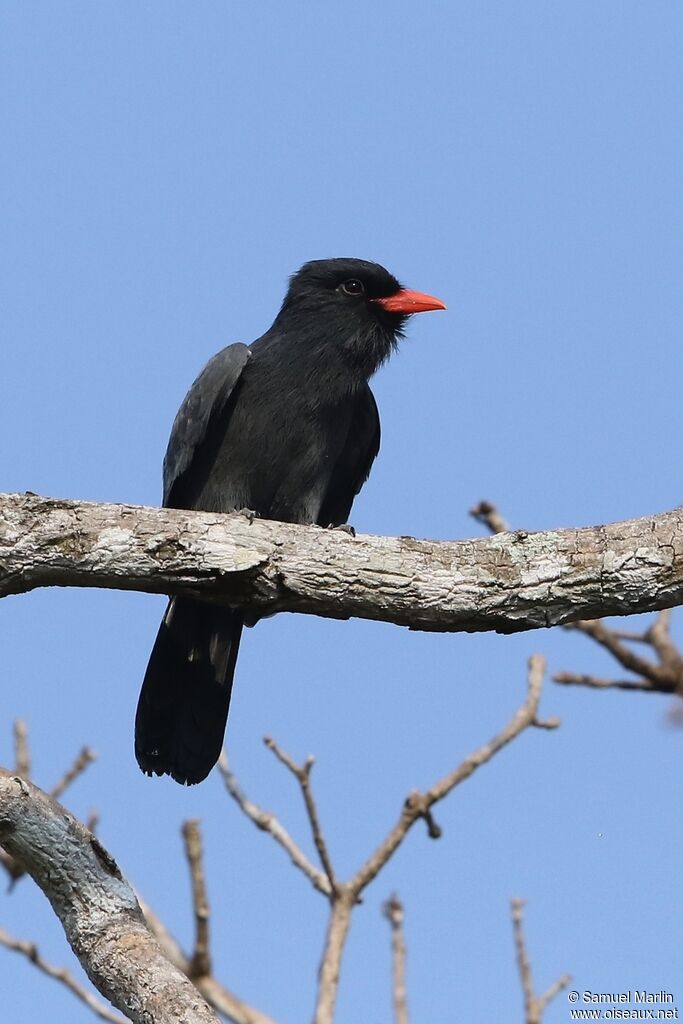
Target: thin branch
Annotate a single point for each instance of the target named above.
(216, 994)
(302, 774)
(267, 822)
(339, 922)
(628, 659)
(22, 758)
(14, 871)
(658, 635)
(85, 757)
(60, 974)
(417, 805)
(599, 683)
(534, 1006)
(344, 896)
(507, 582)
(168, 943)
(22, 763)
(394, 913)
(22, 767)
(489, 516)
(92, 821)
(662, 676)
(200, 963)
(631, 635)
(523, 964)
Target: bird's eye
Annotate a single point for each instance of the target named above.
(353, 286)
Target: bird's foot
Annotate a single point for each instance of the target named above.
(249, 514)
(345, 528)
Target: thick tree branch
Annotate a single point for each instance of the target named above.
(507, 582)
(98, 909)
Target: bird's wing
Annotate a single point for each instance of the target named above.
(204, 403)
(353, 465)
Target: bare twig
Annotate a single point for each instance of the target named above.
(631, 635)
(85, 757)
(216, 994)
(534, 1006)
(92, 821)
(600, 683)
(659, 635)
(267, 822)
(523, 965)
(30, 950)
(339, 922)
(200, 963)
(168, 943)
(394, 913)
(665, 675)
(489, 516)
(602, 635)
(302, 773)
(22, 759)
(344, 895)
(14, 871)
(22, 762)
(22, 766)
(417, 805)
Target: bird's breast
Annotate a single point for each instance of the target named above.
(279, 450)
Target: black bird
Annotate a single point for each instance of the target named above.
(288, 428)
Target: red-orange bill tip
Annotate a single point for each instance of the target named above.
(406, 302)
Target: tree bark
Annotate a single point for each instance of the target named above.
(507, 582)
(97, 907)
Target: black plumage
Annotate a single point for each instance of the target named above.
(289, 429)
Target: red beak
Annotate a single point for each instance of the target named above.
(406, 302)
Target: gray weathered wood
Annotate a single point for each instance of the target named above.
(97, 907)
(508, 582)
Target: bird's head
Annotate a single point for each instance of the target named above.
(354, 305)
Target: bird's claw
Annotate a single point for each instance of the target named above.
(345, 528)
(249, 514)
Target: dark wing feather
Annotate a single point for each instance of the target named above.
(353, 465)
(204, 403)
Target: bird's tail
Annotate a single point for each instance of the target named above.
(183, 706)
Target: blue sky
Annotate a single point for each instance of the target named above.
(165, 168)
